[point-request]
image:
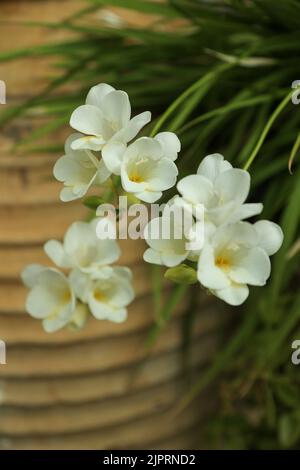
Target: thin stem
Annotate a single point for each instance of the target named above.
(268, 126)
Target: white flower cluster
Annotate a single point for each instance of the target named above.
(235, 253)
(92, 285)
(99, 149)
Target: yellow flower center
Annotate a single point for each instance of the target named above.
(222, 262)
(136, 178)
(66, 297)
(98, 294)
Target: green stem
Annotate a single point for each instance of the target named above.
(268, 126)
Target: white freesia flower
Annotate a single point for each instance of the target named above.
(78, 170)
(221, 189)
(146, 170)
(107, 292)
(82, 249)
(106, 118)
(238, 255)
(51, 298)
(169, 240)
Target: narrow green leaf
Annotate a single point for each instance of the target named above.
(294, 152)
(165, 314)
(220, 361)
(181, 98)
(143, 6)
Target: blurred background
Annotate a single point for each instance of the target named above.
(184, 371)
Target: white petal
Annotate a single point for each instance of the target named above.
(116, 108)
(79, 244)
(67, 195)
(47, 295)
(208, 273)
(99, 310)
(159, 234)
(220, 214)
(102, 272)
(77, 173)
(195, 189)
(103, 173)
(122, 294)
(55, 323)
(152, 256)
(40, 302)
(89, 142)
(60, 170)
(235, 294)
(108, 251)
(144, 147)
(170, 143)
(245, 211)
(87, 119)
(81, 284)
(212, 165)
(123, 272)
(163, 175)
(97, 93)
(56, 252)
(251, 267)
(103, 311)
(149, 196)
(270, 236)
(112, 154)
(31, 273)
(241, 233)
(233, 185)
(171, 259)
(119, 315)
(134, 126)
(69, 142)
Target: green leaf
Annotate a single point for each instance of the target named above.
(288, 429)
(165, 314)
(294, 152)
(143, 6)
(220, 361)
(202, 82)
(157, 285)
(287, 393)
(289, 223)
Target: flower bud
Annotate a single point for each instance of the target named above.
(182, 274)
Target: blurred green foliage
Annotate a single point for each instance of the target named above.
(222, 80)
